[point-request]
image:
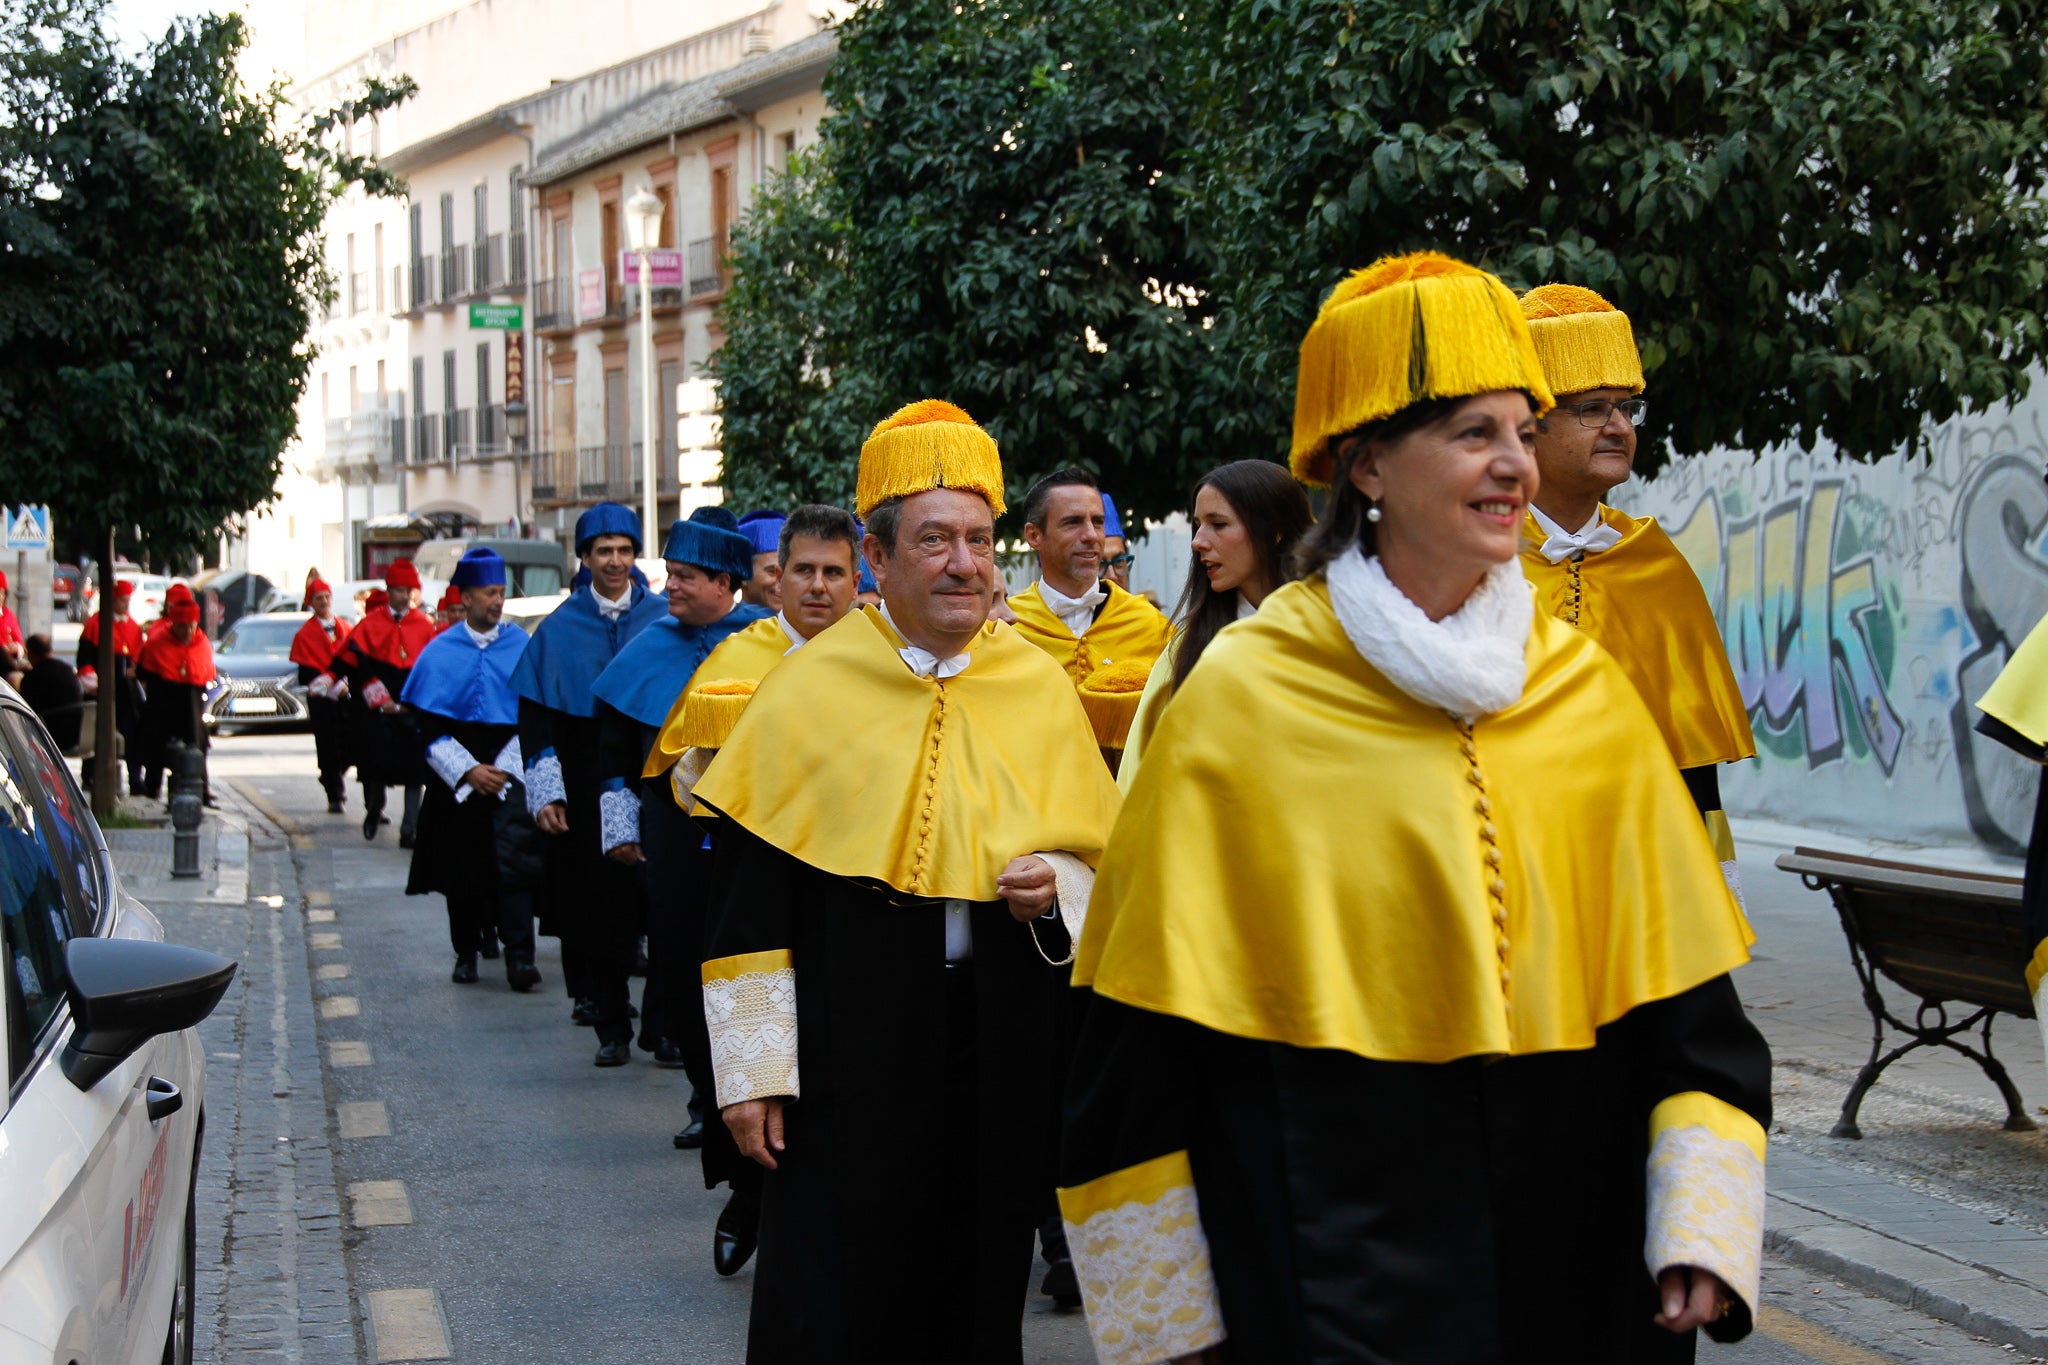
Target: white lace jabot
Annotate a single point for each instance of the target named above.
(1471, 664)
(1560, 544)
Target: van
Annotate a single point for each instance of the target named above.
(533, 568)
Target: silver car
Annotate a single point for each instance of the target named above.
(256, 685)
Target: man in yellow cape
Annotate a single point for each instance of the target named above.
(910, 808)
(2015, 711)
(1617, 577)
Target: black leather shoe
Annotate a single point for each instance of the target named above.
(738, 1232)
(370, 823)
(615, 1054)
(584, 1013)
(520, 973)
(334, 805)
(667, 1053)
(1061, 1286)
(490, 950)
(692, 1137)
(405, 837)
(465, 970)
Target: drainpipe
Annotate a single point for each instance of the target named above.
(505, 122)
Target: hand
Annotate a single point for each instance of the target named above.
(486, 778)
(1691, 1298)
(1027, 884)
(89, 683)
(553, 818)
(629, 854)
(756, 1126)
(389, 708)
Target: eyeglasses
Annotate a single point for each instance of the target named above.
(1122, 561)
(1594, 412)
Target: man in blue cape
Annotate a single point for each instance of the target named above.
(590, 903)
(461, 694)
(763, 530)
(708, 559)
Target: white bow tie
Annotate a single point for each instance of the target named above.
(1560, 544)
(926, 664)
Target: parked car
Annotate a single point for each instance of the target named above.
(105, 1102)
(229, 595)
(256, 685)
(147, 602)
(72, 592)
(528, 612)
(533, 568)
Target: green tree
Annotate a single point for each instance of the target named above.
(1103, 229)
(159, 266)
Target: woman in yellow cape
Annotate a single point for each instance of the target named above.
(1412, 1035)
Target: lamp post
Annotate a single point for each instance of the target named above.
(643, 228)
(515, 443)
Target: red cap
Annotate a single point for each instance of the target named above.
(402, 574)
(182, 609)
(318, 585)
(451, 599)
(377, 598)
(123, 588)
(179, 593)
(3, 582)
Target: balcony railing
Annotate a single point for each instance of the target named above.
(665, 296)
(487, 259)
(613, 471)
(554, 304)
(425, 272)
(554, 476)
(374, 436)
(702, 269)
(455, 429)
(490, 432)
(515, 260)
(454, 273)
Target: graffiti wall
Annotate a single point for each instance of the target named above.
(1865, 607)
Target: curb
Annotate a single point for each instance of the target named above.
(1996, 1307)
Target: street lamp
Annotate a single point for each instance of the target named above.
(515, 443)
(643, 230)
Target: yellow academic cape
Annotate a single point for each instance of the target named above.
(2018, 697)
(1311, 856)
(1642, 601)
(1128, 628)
(849, 762)
(745, 656)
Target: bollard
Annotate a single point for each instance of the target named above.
(188, 782)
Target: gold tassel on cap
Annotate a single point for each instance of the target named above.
(925, 445)
(1584, 341)
(1110, 696)
(712, 709)
(1404, 329)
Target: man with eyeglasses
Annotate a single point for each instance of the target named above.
(1617, 577)
(1116, 551)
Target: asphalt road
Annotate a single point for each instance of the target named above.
(542, 1199)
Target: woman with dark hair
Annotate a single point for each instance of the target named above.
(1247, 515)
(1411, 1034)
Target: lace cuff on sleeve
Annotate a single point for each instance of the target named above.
(750, 1010)
(544, 782)
(1706, 1198)
(1143, 1262)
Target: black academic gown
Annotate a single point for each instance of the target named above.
(1475, 1211)
(170, 710)
(922, 1138)
(455, 850)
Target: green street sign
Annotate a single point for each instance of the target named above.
(507, 316)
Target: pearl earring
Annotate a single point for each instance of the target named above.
(1372, 511)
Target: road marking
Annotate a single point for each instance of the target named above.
(363, 1119)
(318, 898)
(328, 939)
(340, 1007)
(379, 1204)
(349, 1054)
(331, 971)
(1813, 1341)
(406, 1324)
(293, 831)
(319, 917)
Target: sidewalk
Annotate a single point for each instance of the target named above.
(1937, 1207)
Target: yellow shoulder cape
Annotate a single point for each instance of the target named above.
(1645, 606)
(2018, 697)
(1307, 855)
(849, 762)
(746, 655)
(1129, 628)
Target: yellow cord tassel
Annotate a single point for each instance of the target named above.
(925, 445)
(1584, 341)
(712, 709)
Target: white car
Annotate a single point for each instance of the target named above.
(147, 601)
(105, 1100)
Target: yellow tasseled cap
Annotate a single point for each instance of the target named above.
(1584, 341)
(924, 445)
(712, 709)
(1403, 329)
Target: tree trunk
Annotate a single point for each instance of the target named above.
(106, 764)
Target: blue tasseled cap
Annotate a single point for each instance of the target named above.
(712, 541)
(764, 529)
(479, 567)
(1112, 524)
(608, 519)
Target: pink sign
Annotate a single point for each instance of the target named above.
(665, 267)
(590, 294)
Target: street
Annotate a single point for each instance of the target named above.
(463, 1184)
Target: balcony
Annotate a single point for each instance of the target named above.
(703, 270)
(455, 434)
(427, 429)
(454, 273)
(425, 273)
(361, 442)
(667, 297)
(554, 476)
(613, 471)
(554, 304)
(358, 292)
(397, 295)
(515, 260)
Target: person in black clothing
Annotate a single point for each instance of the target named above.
(50, 687)
(125, 691)
(176, 668)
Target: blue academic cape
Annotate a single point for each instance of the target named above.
(459, 682)
(574, 644)
(650, 673)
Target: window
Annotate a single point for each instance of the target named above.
(448, 403)
(377, 260)
(355, 392)
(480, 207)
(483, 386)
(447, 222)
(608, 218)
(70, 834)
(666, 193)
(785, 148)
(37, 917)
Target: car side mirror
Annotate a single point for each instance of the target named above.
(126, 991)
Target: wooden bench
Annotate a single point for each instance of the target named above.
(1949, 938)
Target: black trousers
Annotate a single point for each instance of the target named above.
(476, 913)
(330, 744)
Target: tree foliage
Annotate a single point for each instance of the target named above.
(160, 262)
(1103, 229)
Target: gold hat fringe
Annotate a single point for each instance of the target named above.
(712, 709)
(925, 445)
(1110, 696)
(1584, 341)
(1405, 329)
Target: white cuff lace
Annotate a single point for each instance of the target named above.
(618, 818)
(1732, 875)
(752, 1019)
(1073, 882)
(544, 784)
(1706, 1208)
(1146, 1281)
(451, 762)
